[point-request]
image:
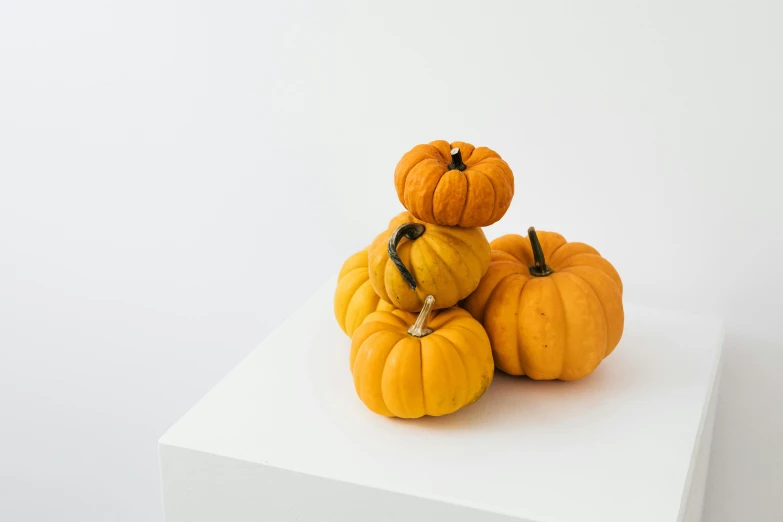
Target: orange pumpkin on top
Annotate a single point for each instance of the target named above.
(454, 184)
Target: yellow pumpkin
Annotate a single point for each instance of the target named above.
(445, 262)
(454, 184)
(552, 309)
(408, 371)
(354, 298)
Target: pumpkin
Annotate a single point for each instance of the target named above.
(354, 298)
(454, 184)
(434, 367)
(552, 309)
(412, 260)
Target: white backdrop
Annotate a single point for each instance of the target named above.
(175, 177)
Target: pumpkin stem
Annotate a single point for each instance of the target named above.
(419, 328)
(411, 231)
(539, 269)
(456, 160)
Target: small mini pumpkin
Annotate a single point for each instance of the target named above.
(412, 260)
(454, 184)
(552, 309)
(408, 371)
(354, 298)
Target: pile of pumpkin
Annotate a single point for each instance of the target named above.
(432, 307)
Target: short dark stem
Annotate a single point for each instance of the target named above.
(411, 231)
(456, 160)
(539, 269)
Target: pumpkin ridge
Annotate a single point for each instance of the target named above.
(464, 329)
(438, 319)
(442, 154)
(494, 192)
(464, 203)
(581, 355)
(501, 166)
(396, 326)
(454, 278)
(445, 346)
(476, 255)
(462, 242)
(348, 282)
(419, 183)
(361, 348)
(343, 275)
(348, 274)
(565, 326)
(446, 266)
(402, 179)
(453, 327)
(421, 376)
(492, 293)
(468, 385)
(445, 156)
(350, 301)
(502, 255)
(398, 390)
(431, 250)
(384, 400)
(496, 176)
(369, 283)
(404, 185)
(591, 269)
(402, 319)
(553, 255)
(434, 151)
(427, 148)
(431, 151)
(519, 328)
(598, 298)
(520, 247)
(435, 191)
(445, 239)
(488, 153)
(356, 261)
(611, 273)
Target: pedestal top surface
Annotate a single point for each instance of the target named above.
(614, 446)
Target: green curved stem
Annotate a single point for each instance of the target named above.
(540, 268)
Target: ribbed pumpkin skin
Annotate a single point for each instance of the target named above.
(399, 375)
(560, 326)
(447, 263)
(354, 298)
(476, 197)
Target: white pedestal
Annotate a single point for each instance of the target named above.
(284, 437)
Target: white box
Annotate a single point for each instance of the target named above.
(284, 437)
